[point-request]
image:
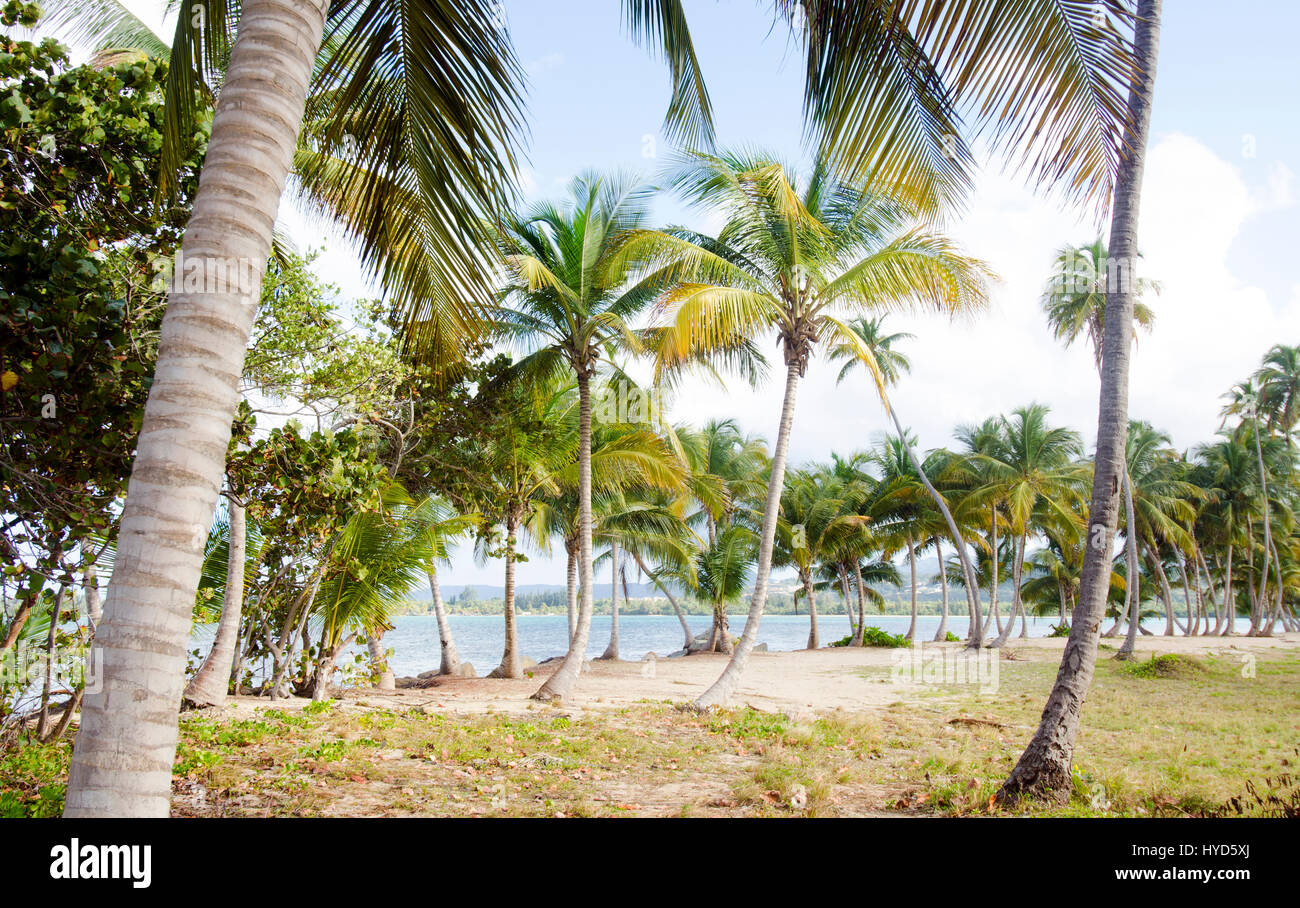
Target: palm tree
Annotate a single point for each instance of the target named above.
(815, 524)
(789, 259)
(570, 299)
(1031, 467)
(722, 571)
(1278, 381)
(1044, 767)
(1066, 91)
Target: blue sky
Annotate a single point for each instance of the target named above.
(1219, 224)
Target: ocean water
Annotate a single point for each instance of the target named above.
(480, 638)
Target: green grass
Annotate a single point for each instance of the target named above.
(1164, 736)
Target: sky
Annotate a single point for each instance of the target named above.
(1219, 222)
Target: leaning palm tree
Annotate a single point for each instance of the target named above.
(792, 258)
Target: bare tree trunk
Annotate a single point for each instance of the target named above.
(721, 690)
(379, 667)
(122, 761)
(42, 721)
(1044, 767)
(848, 602)
(209, 685)
(450, 664)
(611, 651)
(561, 682)
(942, 633)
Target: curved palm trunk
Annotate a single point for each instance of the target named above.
(1229, 603)
(511, 665)
(967, 569)
(611, 651)
(814, 641)
(1268, 524)
(1044, 767)
(672, 600)
(209, 685)
(942, 633)
(561, 683)
(721, 690)
(450, 664)
(122, 762)
(379, 667)
(1133, 582)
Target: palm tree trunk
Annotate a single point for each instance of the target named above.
(862, 604)
(571, 587)
(911, 564)
(561, 683)
(379, 667)
(210, 683)
(1133, 582)
(1017, 568)
(967, 569)
(611, 651)
(51, 638)
(511, 665)
(942, 633)
(1044, 767)
(672, 600)
(450, 664)
(93, 609)
(720, 692)
(1229, 602)
(994, 616)
(814, 641)
(1268, 523)
(122, 761)
(848, 601)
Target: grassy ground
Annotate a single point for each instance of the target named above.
(1178, 735)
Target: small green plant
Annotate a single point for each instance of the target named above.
(1169, 665)
(875, 636)
(1060, 630)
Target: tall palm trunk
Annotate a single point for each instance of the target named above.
(862, 604)
(1017, 606)
(848, 601)
(1133, 582)
(814, 640)
(1044, 767)
(942, 633)
(994, 616)
(511, 665)
(450, 664)
(611, 651)
(911, 564)
(571, 587)
(122, 762)
(561, 683)
(209, 685)
(721, 690)
(1268, 523)
(967, 569)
